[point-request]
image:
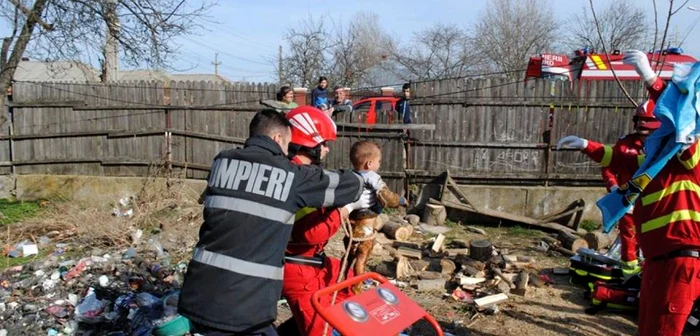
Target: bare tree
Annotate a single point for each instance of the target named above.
(510, 31)
(348, 54)
(308, 46)
(437, 52)
(78, 30)
(360, 48)
(623, 26)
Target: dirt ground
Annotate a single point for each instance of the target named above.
(554, 310)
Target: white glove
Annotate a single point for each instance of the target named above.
(373, 179)
(572, 141)
(367, 200)
(640, 62)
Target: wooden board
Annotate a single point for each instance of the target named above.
(490, 300)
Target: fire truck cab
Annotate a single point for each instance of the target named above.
(586, 64)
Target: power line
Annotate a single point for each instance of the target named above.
(223, 52)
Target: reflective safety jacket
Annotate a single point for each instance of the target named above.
(615, 172)
(615, 168)
(235, 277)
(666, 213)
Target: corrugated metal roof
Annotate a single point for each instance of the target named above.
(143, 75)
(59, 71)
(68, 71)
(151, 75)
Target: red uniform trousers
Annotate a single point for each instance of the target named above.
(669, 289)
(628, 242)
(300, 282)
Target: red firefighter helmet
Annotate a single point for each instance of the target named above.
(310, 126)
(644, 116)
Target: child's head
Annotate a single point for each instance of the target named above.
(366, 155)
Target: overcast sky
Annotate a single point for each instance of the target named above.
(250, 32)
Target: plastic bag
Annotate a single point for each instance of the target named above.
(90, 309)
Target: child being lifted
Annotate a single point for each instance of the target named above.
(366, 156)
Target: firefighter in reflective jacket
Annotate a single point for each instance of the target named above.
(307, 268)
(668, 231)
(616, 170)
(235, 277)
(667, 223)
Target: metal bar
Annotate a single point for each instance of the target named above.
(516, 103)
(398, 127)
(433, 143)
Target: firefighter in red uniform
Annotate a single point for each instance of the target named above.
(306, 268)
(668, 231)
(616, 173)
(616, 170)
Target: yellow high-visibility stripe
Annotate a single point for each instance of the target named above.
(607, 156)
(673, 188)
(303, 212)
(692, 161)
(640, 159)
(599, 62)
(675, 216)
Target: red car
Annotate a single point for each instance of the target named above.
(374, 110)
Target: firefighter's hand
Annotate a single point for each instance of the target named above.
(639, 60)
(367, 200)
(572, 141)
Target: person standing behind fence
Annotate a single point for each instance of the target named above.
(286, 97)
(403, 107)
(319, 95)
(340, 103)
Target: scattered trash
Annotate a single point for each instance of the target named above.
(104, 281)
(136, 237)
(462, 296)
(130, 253)
(124, 208)
(75, 271)
(58, 311)
(90, 309)
(29, 250)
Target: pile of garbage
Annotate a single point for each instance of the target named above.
(126, 292)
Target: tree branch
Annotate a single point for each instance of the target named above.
(607, 56)
(21, 44)
(31, 14)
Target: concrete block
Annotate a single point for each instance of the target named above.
(93, 189)
(533, 201)
(7, 186)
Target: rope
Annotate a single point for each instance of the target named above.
(348, 233)
(348, 229)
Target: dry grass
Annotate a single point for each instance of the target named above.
(162, 205)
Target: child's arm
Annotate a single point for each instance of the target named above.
(389, 199)
(385, 197)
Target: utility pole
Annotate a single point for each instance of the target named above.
(111, 56)
(279, 66)
(216, 64)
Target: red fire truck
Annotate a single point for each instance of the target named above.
(588, 65)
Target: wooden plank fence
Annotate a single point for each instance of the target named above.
(487, 130)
